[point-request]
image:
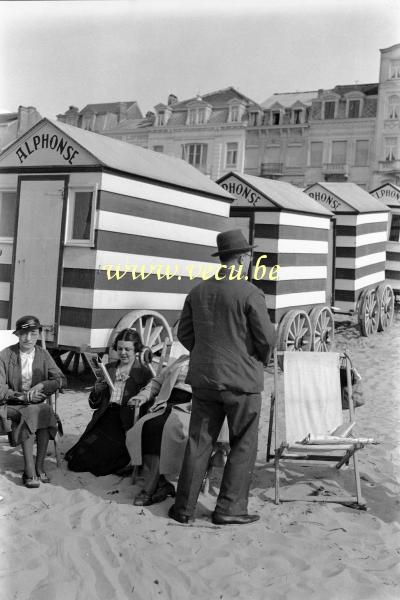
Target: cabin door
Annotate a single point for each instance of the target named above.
(37, 258)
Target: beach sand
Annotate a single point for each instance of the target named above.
(80, 537)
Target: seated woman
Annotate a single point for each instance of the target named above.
(28, 375)
(101, 449)
(159, 438)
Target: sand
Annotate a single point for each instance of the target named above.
(80, 537)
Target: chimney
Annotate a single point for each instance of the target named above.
(320, 92)
(172, 99)
(27, 117)
(123, 107)
(150, 116)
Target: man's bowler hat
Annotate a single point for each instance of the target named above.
(232, 242)
(27, 323)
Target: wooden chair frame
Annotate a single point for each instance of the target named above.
(306, 452)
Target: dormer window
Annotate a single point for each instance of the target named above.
(161, 118)
(234, 113)
(198, 113)
(276, 118)
(253, 119)
(329, 109)
(395, 70)
(354, 107)
(297, 116)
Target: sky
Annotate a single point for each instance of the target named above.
(57, 54)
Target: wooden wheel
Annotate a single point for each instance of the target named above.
(152, 327)
(323, 329)
(385, 297)
(368, 314)
(294, 333)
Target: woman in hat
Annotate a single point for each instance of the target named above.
(101, 450)
(28, 374)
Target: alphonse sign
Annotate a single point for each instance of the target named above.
(47, 141)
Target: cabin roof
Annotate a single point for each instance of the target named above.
(353, 195)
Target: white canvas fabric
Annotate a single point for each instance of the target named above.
(312, 394)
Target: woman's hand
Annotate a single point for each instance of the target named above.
(35, 394)
(132, 402)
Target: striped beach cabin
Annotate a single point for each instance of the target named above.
(360, 250)
(294, 232)
(389, 194)
(89, 226)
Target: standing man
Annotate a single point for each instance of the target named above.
(226, 328)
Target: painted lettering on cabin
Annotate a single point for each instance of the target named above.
(240, 190)
(47, 141)
(327, 199)
(387, 193)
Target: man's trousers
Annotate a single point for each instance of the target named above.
(209, 408)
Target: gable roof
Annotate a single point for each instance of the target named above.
(217, 98)
(287, 99)
(284, 195)
(353, 195)
(134, 160)
(106, 107)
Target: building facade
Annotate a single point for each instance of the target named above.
(348, 133)
(13, 125)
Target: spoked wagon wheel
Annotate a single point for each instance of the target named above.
(295, 332)
(152, 327)
(323, 329)
(385, 297)
(368, 314)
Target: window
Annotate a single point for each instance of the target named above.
(294, 156)
(297, 116)
(394, 107)
(394, 235)
(390, 149)
(316, 154)
(354, 109)
(192, 117)
(253, 118)
(395, 70)
(339, 151)
(362, 151)
(201, 116)
(234, 113)
(8, 208)
(158, 148)
(196, 155)
(231, 154)
(329, 110)
(160, 118)
(81, 216)
(276, 118)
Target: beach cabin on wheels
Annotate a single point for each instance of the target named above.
(292, 262)
(90, 226)
(389, 194)
(360, 253)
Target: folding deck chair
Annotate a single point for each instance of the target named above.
(313, 418)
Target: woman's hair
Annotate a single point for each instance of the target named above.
(129, 335)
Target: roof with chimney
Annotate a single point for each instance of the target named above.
(107, 107)
(288, 99)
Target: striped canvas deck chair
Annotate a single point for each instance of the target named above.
(313, 427)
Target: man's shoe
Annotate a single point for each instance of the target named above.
(163, 491)
(184, 519)
(221, 519)
(143, 499)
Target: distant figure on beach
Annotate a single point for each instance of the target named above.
(28, 375)
(101, 450)
(226, 328)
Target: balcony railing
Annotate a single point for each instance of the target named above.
(389, 165)
(335, 169)
(271, 169)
